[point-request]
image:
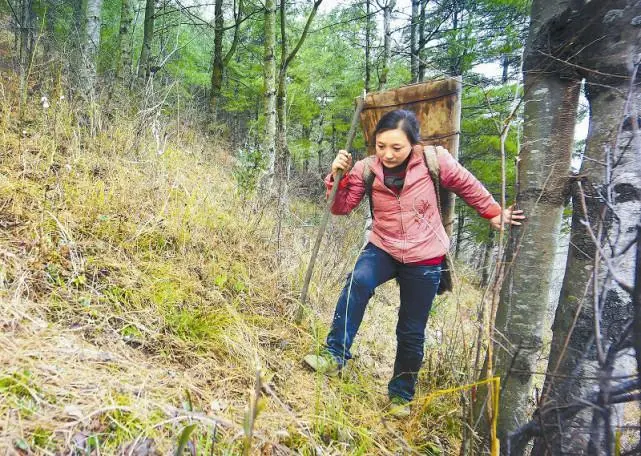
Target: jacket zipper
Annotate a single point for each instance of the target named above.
(400, 210)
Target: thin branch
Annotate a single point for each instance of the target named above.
(533, 428)
(303, 35)
(615, 274)
(590, 70)
(348, 21)
(234, 44)
(15, 15)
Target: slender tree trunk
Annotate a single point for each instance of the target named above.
(415, 21)
(319, 145)
(123, 68)
(50, 27)
(144, 64)
(505, 63)
(368, 38)
(75, 62)
(90, 49)
(487, 258)
(636, 302)
(26, 48)
(217, 60)
(269, 75)
(220, 62)
(460, 224)
(421, 42)
(282, 149)
(387, 42)
(550, 104)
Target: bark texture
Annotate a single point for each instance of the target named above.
(571, 41)
(422, 41)
(91, 45)
(220, 62)
(217, 60)
(550, 103)
(368, 38)
(415, 22)
(269, 75)
(144, 65)
(123, 70)
(607, 179)
(388, 7)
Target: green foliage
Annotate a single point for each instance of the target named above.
(250, 165)
(109, 35)
(183, 440)
(483, 117)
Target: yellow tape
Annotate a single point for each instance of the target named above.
(494, 390)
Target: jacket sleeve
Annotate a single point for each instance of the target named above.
(351, 190)
(456, 178)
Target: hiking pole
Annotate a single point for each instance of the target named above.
(323, 224)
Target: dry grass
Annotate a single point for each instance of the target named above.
(140, 294)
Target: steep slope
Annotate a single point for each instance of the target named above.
(141, 294)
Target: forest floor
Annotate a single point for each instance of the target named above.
(141, 294)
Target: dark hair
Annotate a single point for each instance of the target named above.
(403, 119)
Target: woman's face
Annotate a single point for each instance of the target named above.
(392, 147)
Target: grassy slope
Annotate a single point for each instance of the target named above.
(140, 294)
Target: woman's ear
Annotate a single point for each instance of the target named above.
(417, 148)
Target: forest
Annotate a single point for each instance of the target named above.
(162, 167)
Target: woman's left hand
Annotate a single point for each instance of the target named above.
(510, 215)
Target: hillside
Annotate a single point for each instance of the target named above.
(142, 293)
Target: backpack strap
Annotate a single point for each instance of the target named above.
(368, 179)
(430, 156)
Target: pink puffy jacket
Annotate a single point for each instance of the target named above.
(408, 226)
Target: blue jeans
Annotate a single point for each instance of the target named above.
(418, 287)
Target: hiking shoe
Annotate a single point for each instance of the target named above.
(399, 407)
(323, 363)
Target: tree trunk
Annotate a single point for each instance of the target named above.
(91, 46)
(550, 110)
(319, 145)
(26, 48)
(368, 38)
(220, 62)
(460, 224)
(636, 302)
(217, 60)
(415, 21)
(282, 149)
(550, 104)
(269, 75)
(487, 258)
(123, 66)
(77, 33)
(387, 42)
(606, 171)
(144, 64)
(421, 42)
(505, 63)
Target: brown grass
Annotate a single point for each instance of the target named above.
(140, 294)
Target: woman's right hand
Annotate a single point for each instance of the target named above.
(342, 162)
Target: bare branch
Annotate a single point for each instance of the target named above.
(612, 269)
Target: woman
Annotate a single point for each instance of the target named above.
(408, 242)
